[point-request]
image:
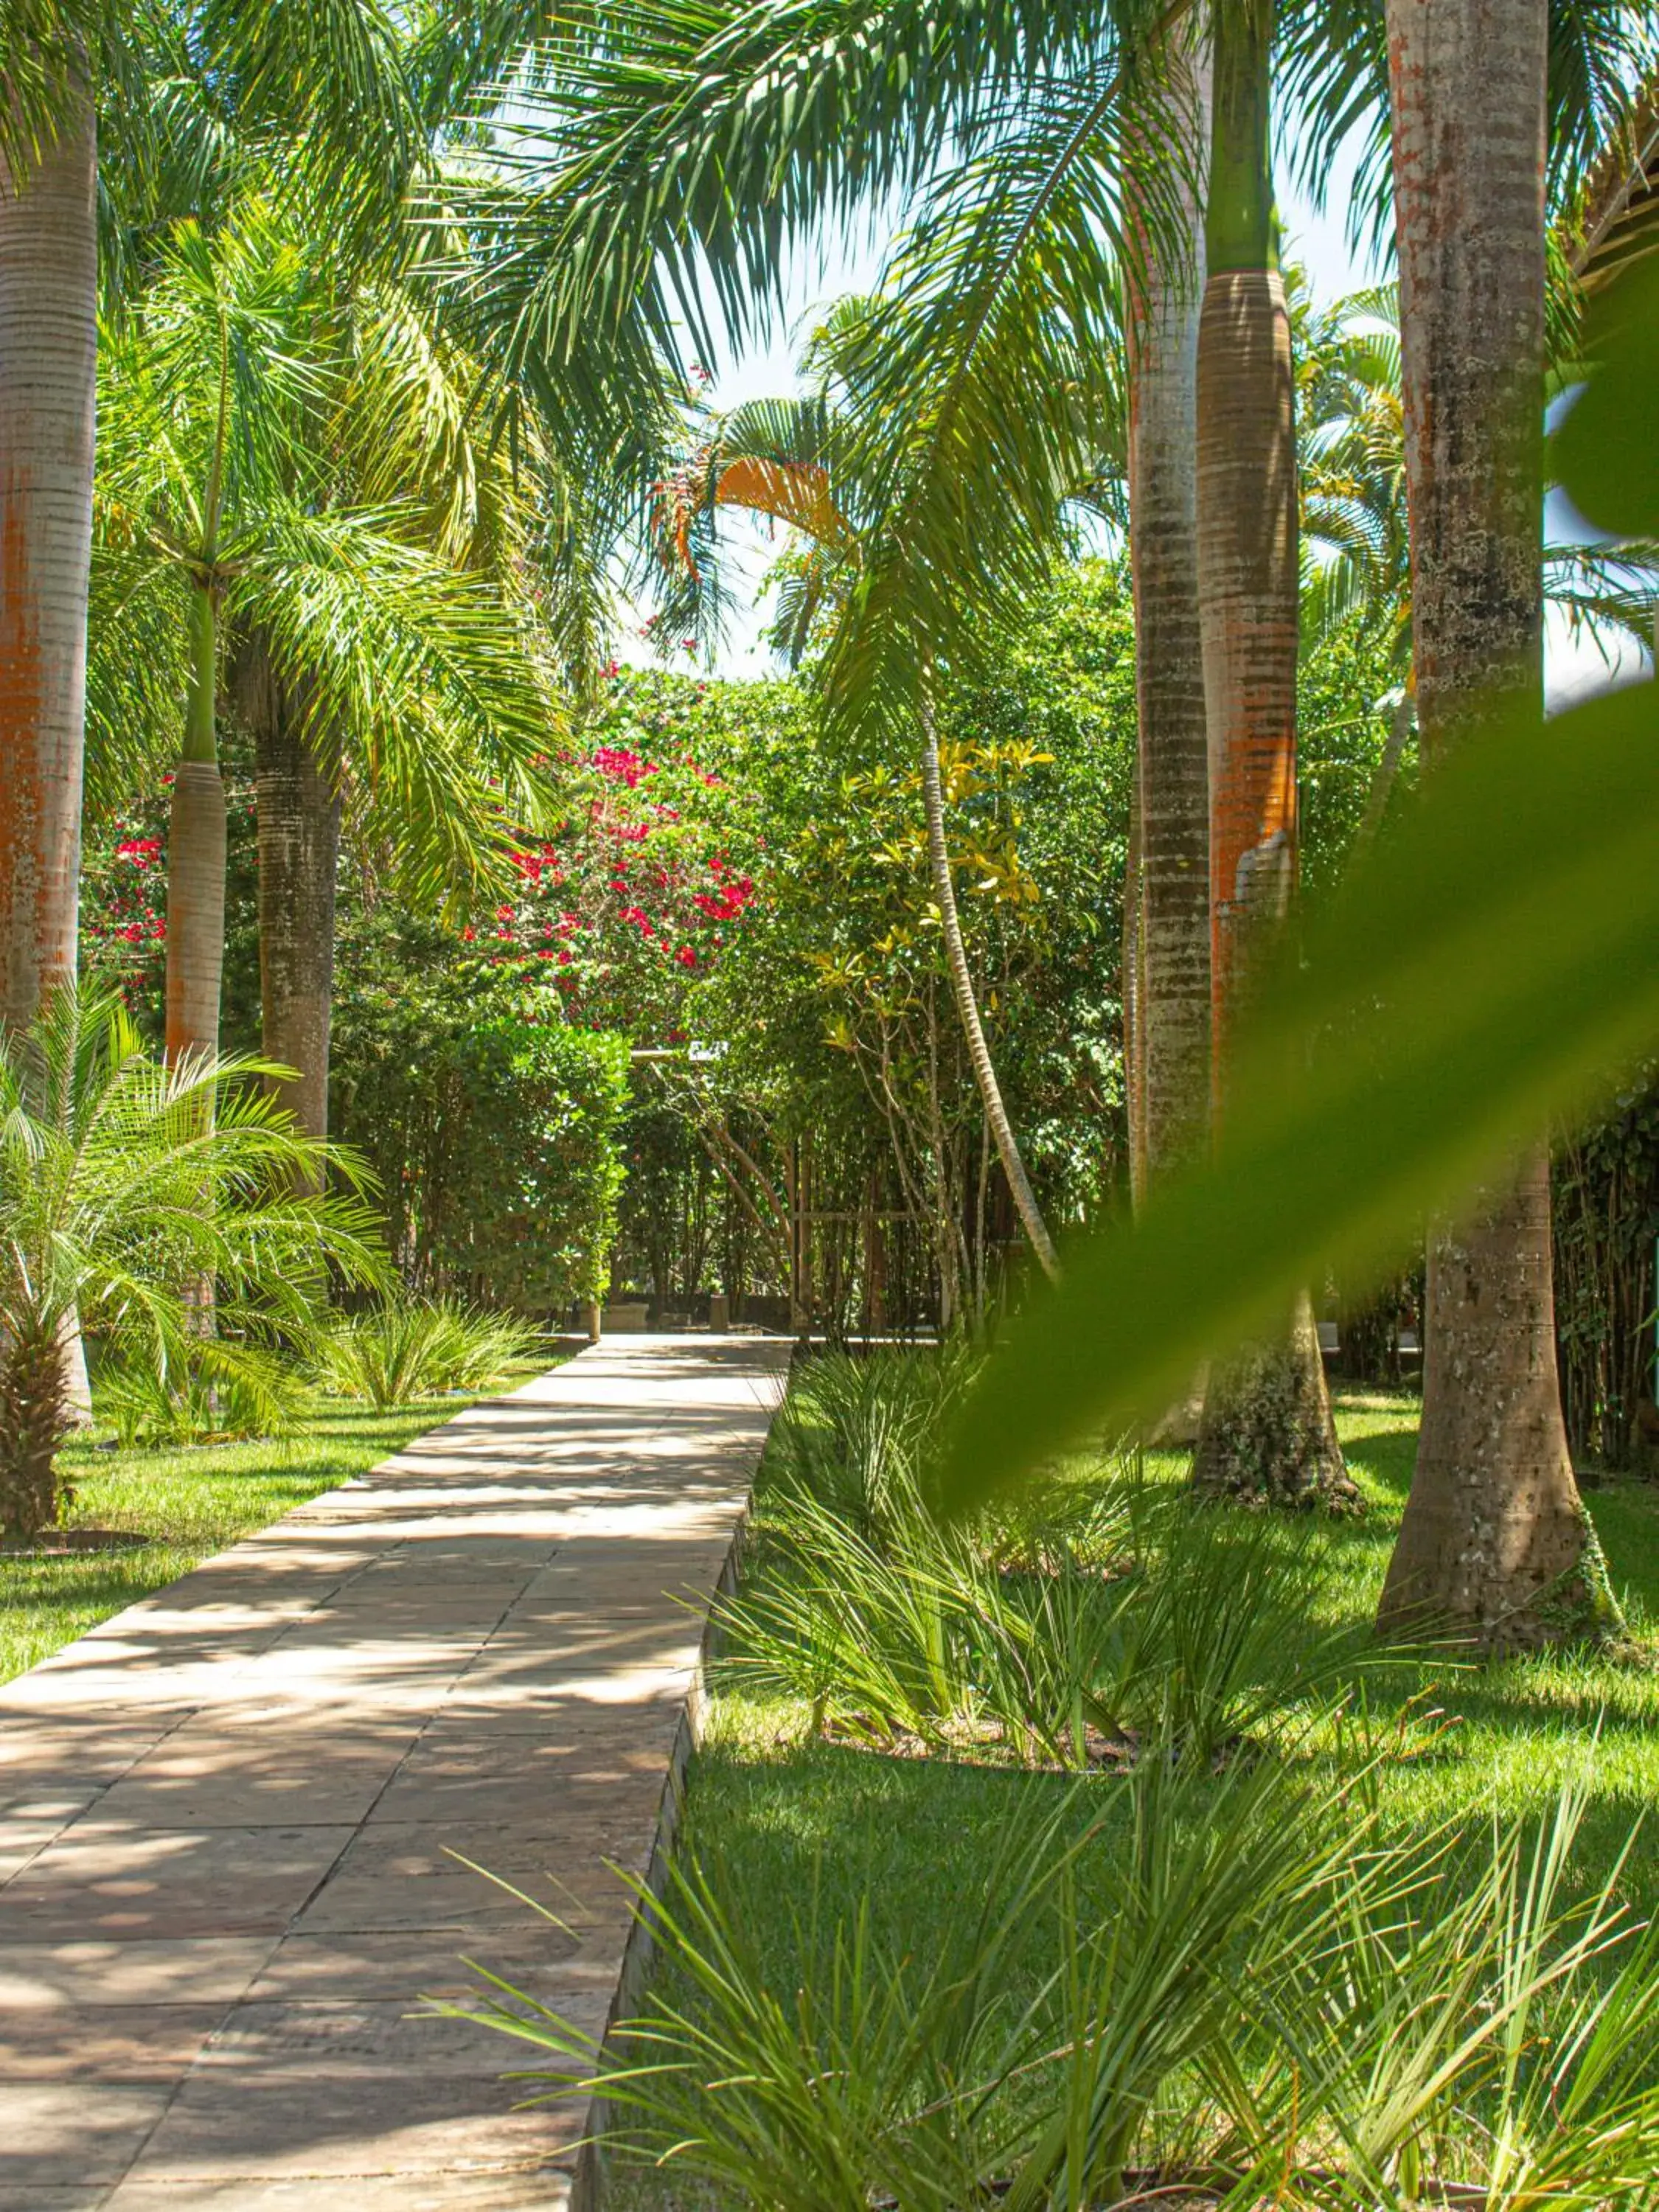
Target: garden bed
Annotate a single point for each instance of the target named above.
(813, 1847)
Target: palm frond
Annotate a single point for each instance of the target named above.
(428, 668)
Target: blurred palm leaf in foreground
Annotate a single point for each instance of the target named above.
(1491, 968)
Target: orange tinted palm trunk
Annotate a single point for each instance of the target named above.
(48, 368)
(1267, 1430)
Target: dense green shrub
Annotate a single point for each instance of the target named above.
(491, 1124)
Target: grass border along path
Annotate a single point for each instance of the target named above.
(185, 1505)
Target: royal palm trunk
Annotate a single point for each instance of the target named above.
(1494, 1542)
(196, 856)
(1267, 1430)
(1167, 950)
(48, 368)
(299, 811)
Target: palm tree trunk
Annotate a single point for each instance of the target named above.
(196, 856)
(962, 986)
(1134, 1004)
(48, 366)
(299, 810)
(1166, 993)
(1170, 924)
(1494, 1541)
(1267, 1430)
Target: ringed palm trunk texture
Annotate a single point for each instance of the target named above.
(195, 860)
(1495, 1543)
(1169, 1047)
(962, 986)
(299, 811)
(1166, 993)
(1267, 1430)
(48, 366)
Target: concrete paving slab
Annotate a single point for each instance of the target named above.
(200, 1970)
(233, 1819)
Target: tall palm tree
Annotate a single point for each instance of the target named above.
(330, 71)
(48, 358)
(1495, 1540)
(405, 432)
(1167, 889)
(220, 509)
(1267, 1429)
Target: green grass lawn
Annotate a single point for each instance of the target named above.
(802, 1832)
(184, 1505)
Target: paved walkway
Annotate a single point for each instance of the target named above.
(228, 1815)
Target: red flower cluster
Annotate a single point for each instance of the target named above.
(621, 765)
(601, 921)
(728, 900)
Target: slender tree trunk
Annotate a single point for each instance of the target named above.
(48, 366)
(196, 857)
(1495, 1542)
(1134, 1001)
(1170, 1050)
(1267, 1430)
(299, 810)
(1167, 937)
(962, 986)
(1403, 722)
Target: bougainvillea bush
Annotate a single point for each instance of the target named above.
(633, 899)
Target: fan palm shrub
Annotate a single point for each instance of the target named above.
(124, 1187)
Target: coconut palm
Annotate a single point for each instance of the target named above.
(220, 522)
(123, 1184)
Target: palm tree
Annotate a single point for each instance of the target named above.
(218, 512)
(1495, 1540)
(48, 355)
(1266, 1429)
(123, 1184)
(158, 72)
(405, 432)
(1167, 888)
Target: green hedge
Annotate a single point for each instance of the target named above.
(493, 1133)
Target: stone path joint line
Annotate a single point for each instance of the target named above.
(232, 1817)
